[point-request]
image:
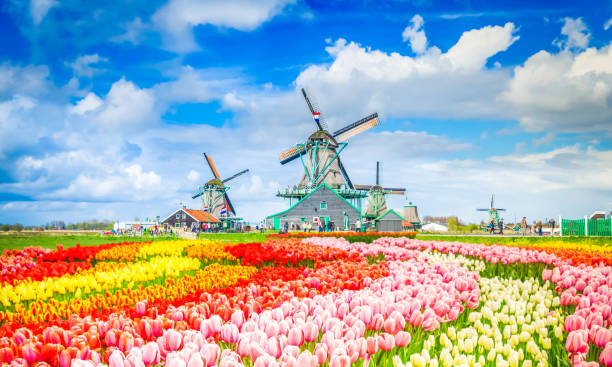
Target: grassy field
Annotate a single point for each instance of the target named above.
(46, 240)
(519, 240)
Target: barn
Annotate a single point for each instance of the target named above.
(389, 221)
(323, 205)
(190, 218)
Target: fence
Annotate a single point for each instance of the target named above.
(586, 227)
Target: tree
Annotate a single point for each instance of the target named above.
(453, 223)
(18, 227)
(5, 227)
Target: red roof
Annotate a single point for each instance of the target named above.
(406, 223)
(202, 216)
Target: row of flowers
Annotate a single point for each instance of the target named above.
(416, 303)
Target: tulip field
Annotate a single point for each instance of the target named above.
(307, 301)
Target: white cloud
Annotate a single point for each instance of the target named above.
(475, 47)
(40, 8)
(576, 34)
(415, 35)
(82, 65)
(399, 85)
(91, 102)
(127, 105)
(193, 176)
(608, 24)
(134, 32)
(563, 92)
(30, 80)
(178, 17)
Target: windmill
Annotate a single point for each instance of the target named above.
(493, 212)
(214, 193)
(319, 154)
(377, 202)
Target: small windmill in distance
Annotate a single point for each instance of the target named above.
(493, 212)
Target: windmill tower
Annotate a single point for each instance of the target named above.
(493, 212)
(214, 193)
(320, 156)
(377, 201)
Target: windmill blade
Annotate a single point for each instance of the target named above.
(483, 210)
(356, 127)
(345, 175)
(363, 187)
(229, 203)
(291, 154)
(492, 201)
(394, 191)
(196, 195)
(500, 210)
(236, 175)
(315, 111)
(211, 165)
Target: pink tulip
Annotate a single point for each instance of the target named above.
(229, 333)
(172, 340)
(255, 351)
(296, 336)
(195, 360)
(372, 345)
(386, 341)
(30, 354)
(602, 336)
(416, 318)
(306, 359)
(116, 359)
(402, 339)
(321, 353)
(265, 361)
(574, 322)
(210, 352)
(311, 331)
(273, 347)
(577, 342)
(141, 307)
(150, 353)
(605, 358)
(237, 318)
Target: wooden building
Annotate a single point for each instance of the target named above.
(322, 205)
(190, 218)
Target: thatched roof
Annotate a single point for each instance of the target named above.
(215, 182)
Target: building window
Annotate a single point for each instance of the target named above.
(177, 224)
(178, 216)
(184, 215)
(303, 220)
(323, 205)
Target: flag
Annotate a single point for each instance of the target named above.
(205, 208)
(316, 116)
(223, 210)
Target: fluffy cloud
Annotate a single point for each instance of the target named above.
(399, 85)
(576, 35)
(178, 17)
(126, 105)
(415, 35)
(608, 24)
(563, 92)
(82, 65)
(40, 8)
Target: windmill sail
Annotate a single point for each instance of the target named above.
(357, 127)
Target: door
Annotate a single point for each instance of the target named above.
(346, 222)
(276, 223)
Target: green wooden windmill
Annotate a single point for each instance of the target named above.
(214, 193)
(377, 201)
(493, 212)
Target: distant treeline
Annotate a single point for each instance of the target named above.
(91, 225)
(452, 222)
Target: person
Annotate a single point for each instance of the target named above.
(501, 226)
(286, 227)
(533, 228)
(524, 226)
(492, 227)
(552, 226)
(309, 227)
(539, 227)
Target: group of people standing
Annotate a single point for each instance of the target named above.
(536, 227)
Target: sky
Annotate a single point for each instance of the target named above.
(105, 109)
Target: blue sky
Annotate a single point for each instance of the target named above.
(105, 109)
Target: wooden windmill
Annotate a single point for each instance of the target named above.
(493, 212)
(319, 154)
(214, 193)
(377, 201)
